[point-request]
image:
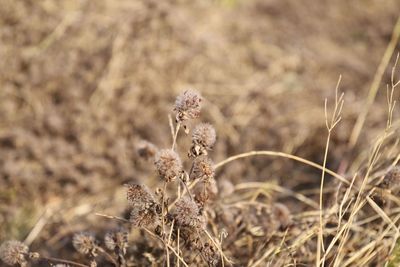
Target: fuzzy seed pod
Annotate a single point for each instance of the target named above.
(168, 164)
(203, 168)
(203, 139)
(13, 252)
(84, 243)
(146, 150)
(139, 195)
(391, 179)
(188, 105)
(143, 217)
(187, 214)
(117, 240)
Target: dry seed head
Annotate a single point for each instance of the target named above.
(143, 217)
(13, 252)
(84, 243)
(139, 195)
(187, 214)
(205, 192)
(146, 150)
(188, 105)
(203, 168)
(203, 139)
(391, 179)
(117, 240)
(168, 164)
(210, 254)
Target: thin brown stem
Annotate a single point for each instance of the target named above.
(50, 259)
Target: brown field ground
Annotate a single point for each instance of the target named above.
(83, 82)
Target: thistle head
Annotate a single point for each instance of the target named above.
(187, 214)
(84, 243)
(143, 217)
(117, 240)
(168, 164)
(188, 105)
(139, 195)
(203, 139)
(203, 168)
(14, 252)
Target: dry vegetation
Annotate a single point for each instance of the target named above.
(87, 94)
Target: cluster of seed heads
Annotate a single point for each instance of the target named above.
(145, 209)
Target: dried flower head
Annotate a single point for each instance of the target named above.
(117, 240)
(143, 217)
(139, 195)
(203, 139)
(146, 150)
(168, 164)
(188, 105)
(84, 243)
(187, 214)
(13, 252)
(210, 254)
(203, 168)
(205, 191)
(391, 179)
(282, 215)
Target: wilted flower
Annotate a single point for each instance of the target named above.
(206, 191)
(117, 240)
(143, 217)
(188, 105)
(203, 168)
(14, 252)
(203, 139)
(168, 164)
(139, 195)
(187, 214)
(146, 150)
(84, 243)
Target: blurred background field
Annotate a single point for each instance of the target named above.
(81, 82)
